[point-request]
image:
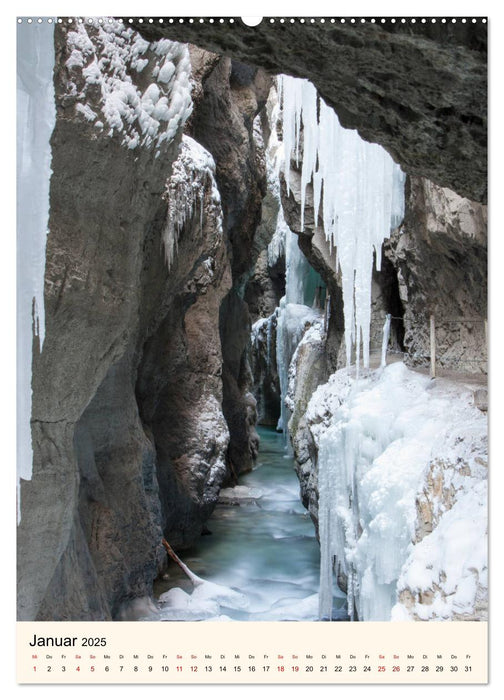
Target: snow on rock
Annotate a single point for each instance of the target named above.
(236, 495)
(107, 72)
(36, 116)
(314, 334)
(357, 188)
(193, 174)
(381, 441)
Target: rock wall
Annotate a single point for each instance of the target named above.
(440, 258)
(104, 200)
(230, 98)
(418, 89)
(127, 392)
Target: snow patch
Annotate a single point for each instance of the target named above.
(106, 56)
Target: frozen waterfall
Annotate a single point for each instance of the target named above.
(358, 191)
(36, 114)
(378, 439)
(299, 309)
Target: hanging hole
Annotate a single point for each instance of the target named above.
(252, 21)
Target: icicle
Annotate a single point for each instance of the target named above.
(359, 188)
(36, 116)
(385, 341)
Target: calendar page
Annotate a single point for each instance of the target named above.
(252, 346)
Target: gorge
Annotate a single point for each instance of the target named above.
(191, 291)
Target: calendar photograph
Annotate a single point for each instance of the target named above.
(252, 339)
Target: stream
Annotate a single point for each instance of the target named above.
(261, 560)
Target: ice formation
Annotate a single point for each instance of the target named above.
(295, 313)
(293, 321)
(358, 191)
(193, 174)
(377, 440)
(385, 340)
(108, 56)
(36, 114)
(205, 601)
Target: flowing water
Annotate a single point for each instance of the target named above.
(262, 545)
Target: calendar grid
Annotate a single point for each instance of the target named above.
(173, 652)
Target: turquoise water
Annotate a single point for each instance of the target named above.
(265, 547)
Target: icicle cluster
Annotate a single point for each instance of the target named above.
(358, 191)
(193, 175)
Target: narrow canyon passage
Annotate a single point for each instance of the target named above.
(224, 252)
(262, 545)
